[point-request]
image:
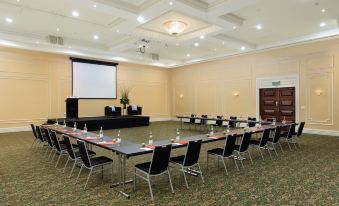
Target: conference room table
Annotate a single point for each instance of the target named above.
(237, 121)
(126, 149)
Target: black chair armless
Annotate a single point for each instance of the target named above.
(36, 139)
(262, 144)
(158, 166)
(232, 124)
(251, 121)
(275, 140)
(190, 160)
(244, 148)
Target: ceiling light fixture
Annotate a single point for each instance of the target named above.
(188, 55)
(96, 37)
(258, 27)
(196, 44)
(234, 27)
(75, 13)
(171, 3)
(9, 20)
(202, 36)
(174, 27)
(242, 48)
(94, 5)
(140, 19)
(323, 10)
(322, 24)
(57, 29)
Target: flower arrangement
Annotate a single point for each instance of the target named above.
(124, 96)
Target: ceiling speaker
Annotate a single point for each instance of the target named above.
(155, 57)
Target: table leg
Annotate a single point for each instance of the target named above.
(120, 186)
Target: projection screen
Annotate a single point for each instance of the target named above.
(94, 79)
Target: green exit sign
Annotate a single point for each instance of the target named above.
(277, 83)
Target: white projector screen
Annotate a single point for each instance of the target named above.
(94, 79)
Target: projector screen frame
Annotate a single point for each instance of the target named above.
(90, 61)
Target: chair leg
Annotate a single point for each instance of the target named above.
(134, 179)
(239, 157)
(63, 171)
(262, 156)
(236, 164)
(58, 161)
(78, 175)
(223, 161)
(201, 175)
(273, 146)
(288, 143)
(281, 147)
(75, 162)
(150, 186)
(89, 175)
(269, 152)
(50, 155)
(249, 154)
(183, 172)
(170, 180)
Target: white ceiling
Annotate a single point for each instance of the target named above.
(227, 26)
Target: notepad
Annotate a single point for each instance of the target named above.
(216, 137)
(180, 142)
(89, 138)
(106, 143)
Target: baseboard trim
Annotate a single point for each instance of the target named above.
(159, 119)
(322, 132)
(15, 129)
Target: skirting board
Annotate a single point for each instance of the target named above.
(322, 132)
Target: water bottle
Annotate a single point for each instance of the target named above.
(85, 129)
(284, 121)
(177, 137)
(150, 140)
(64, 125)
(75, 126)
(56, 122)
(273, 123)
(101, 134)
(118, 137)
(212, 130)
(228, 129)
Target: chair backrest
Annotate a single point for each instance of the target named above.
(218, 121)
(192, 119)
(192, 153)
(264, 138)
(33, 130)
(229, 145)
(84, 154)
(277, 134)
(245, 142)
(300, 129)
(232, 123)
(160, 159)
(55, 141)
(47, 136)
(203, 121)
(251, 122)
(291, 131)
(69, 147)
(39, 133)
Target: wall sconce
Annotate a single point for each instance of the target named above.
(181, 96)
(319, 92)
(236, 94)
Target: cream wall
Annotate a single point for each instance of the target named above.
(34, 85)
(209, 88)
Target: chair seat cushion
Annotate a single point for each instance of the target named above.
(100, 160)
(237, 147)
(216, 151)
(255, 142)
(144, 166)
(178, 159)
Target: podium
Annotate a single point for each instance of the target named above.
(72, 108)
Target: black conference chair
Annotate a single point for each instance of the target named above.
(262, 144)
(48, 139)
(91, 163)
(218, 121)
(191, 121)
(190, 160)
(243, 148)
(232, 124)
(59, 149)
(275, 140)
(40, 136)
(202, 122)
(226, 152)
(36, 139)
(158, 166)
(251, 121)
(73, 155)
(288, 137)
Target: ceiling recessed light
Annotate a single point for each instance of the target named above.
(170, 3)
(258, 27)
(18, 0)
(75, 13)
(37, 42)
(9, 20)
(95, 37)
(196, 44)
(215, 49)
(223, 43)
(322, 24)
(117, 30)
(242, 48)
(57, 29)
(94, 5)
(323, 10)
(202, 36)
(234, 27)
(140, 19)
(177, 44)
(188, 55)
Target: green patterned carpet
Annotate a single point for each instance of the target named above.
(308, 176)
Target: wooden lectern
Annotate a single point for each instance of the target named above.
(72, 107)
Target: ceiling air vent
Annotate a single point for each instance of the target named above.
(155, 57)
(55, 39)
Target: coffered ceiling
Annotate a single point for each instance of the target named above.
(113, 29)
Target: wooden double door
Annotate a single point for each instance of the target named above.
(278, 103)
